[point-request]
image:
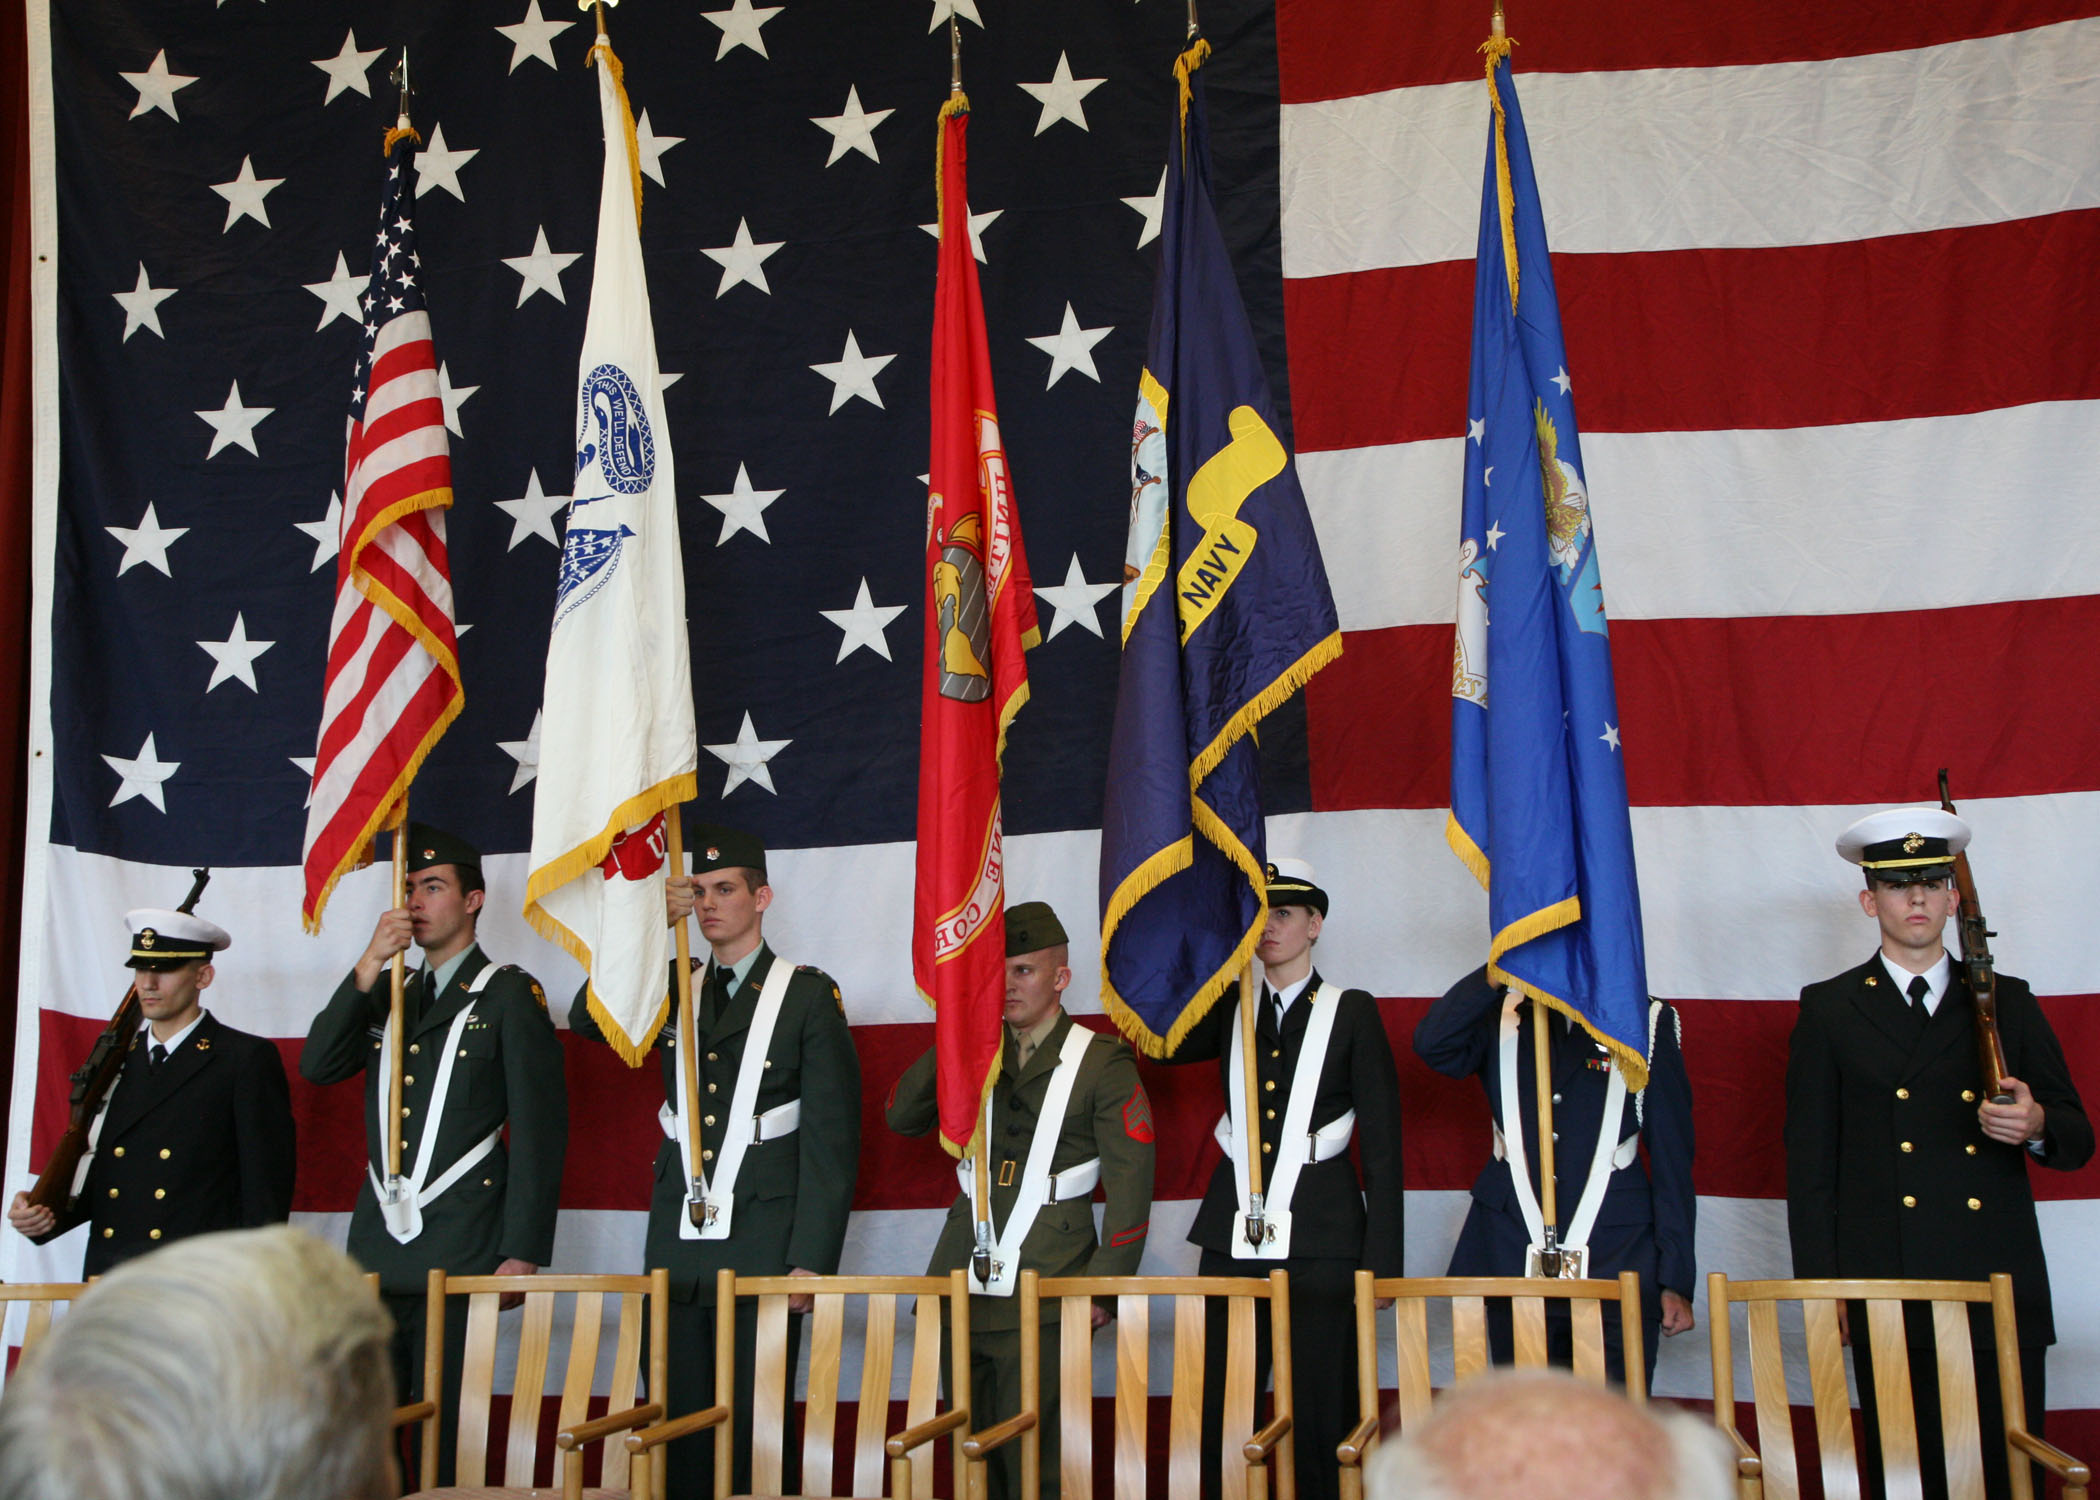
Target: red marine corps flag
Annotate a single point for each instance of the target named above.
(980, 620)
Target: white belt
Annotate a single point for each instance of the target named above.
(1061, 1187)
(780, 1120)
(1323, 1144)
(1624, 1156)
(403, 1214)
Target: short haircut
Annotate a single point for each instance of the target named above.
(753, 878)
(1517, 1432)
(251, 1363)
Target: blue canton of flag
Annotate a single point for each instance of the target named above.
(1538, 788)
(1226, 613)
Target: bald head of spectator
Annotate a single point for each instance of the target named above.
(1541, 1432)
(248, 1364)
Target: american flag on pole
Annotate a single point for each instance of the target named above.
(392, 683)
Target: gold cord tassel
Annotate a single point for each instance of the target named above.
(1497, 48)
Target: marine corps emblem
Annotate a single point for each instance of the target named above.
(963, 612)
(1914, 843)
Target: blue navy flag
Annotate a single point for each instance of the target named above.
(1538, 785)
(1226, 613)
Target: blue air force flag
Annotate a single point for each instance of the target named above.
(616, 739)
(1538, 788)
(1226, 613)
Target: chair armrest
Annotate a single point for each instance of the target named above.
(420, 1411)
(677, 1427)
(911, 1437)
(1353, 1447)
(978, 1444)
(1262, 1445)
(600, 1428)
(2051, 1457)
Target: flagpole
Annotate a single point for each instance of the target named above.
(1542, 1066)
(1256, 1226)
(688, 1039)
(396, 1019)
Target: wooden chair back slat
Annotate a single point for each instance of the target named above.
(772, 1392)
(878, 1353)
(1833, 1402)
(528, 1386)
(826, 1337)
(41, 1300)
(1469, 1337)
(587, 1320)
(1528, 1329)
(1961, 1438)
(1899, 1419)
(1411, 1341)
(1133, 1392)
(36, 1324)
(1240, 1391)
(626, 1377)
(1075, 1390)
(1185, 1403)
(1586, 1326)
(923, 1388)
(1775, 1421)
(477, 1381)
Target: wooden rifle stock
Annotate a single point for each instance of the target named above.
(1977, 968)
(92, 1081)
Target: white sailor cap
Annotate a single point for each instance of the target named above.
(1291, 883)
(162, 939)
(1900, 845)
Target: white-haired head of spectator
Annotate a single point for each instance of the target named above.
(249, 1365)
(1544, 1432)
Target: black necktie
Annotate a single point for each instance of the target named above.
(1278, 1000)
(1919, 989)
(714, 997)
(156, 1055)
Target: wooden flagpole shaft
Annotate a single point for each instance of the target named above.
(688, 1039)
(396, 1019)
(1247, 1076)
(1542, 1061)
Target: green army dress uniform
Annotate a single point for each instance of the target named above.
(508, 1071)
(1107, 1117)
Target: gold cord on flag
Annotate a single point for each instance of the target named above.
(1497, 48)
(1184, 66)
(958, 103)
(619, 77)
(399, 132)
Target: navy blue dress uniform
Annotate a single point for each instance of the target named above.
(1105, 1134)
(202, 1140)
(1645, 1217)
(506, 1076)
(1346, 1215)
(794, 1190)
(1889, 1173)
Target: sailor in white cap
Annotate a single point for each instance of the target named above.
(1324, 1077)
(197, 1134)
(1898, 1163)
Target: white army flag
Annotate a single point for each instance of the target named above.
(617, 746)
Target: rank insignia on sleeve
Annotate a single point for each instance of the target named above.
(1137, 1115)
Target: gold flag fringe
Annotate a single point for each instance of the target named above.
(619, 78)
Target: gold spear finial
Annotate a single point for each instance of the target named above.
(1495, 25)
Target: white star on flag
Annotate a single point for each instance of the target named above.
(437, 166)
(233, 425)
(142, 305)
(141, 775)
(1610, 735)
(1149, 208)
(1075, 600)
(157, 86)
(1072, 348)
(853, 130)
(652, 147)
(453, 397)
(863, 624)
(147, 542)
(1495, 534)
(533, 37)
(526, 753)
(853, 374)
(541, 269)
(305, 763)
(743, 260)
(234, 657)
(979, 222)
(740, 27)
(1061, 97)
(339, 294)
(747, 757)
(346, 70)
(244, 195)
(962, 10)
(743, 508)
(1560, 378)
(1476, 430)
(533, 513)
(327, 533)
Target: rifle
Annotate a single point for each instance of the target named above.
(1976, 965)
(92, 1081)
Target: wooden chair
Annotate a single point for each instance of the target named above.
(43, 1300)
(499, 1463)
(1271, 1446)
(907, 1453)
(1470, 1355)
(1771, 1467)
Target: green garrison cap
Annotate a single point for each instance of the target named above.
(718, 848)
(1031, 927)
(429, 846)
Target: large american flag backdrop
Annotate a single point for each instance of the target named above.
(1826, 274)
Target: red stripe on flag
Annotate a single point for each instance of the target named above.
(1330, 51)
(1908, 325)
(1776, 710)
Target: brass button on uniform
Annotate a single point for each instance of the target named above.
(164, 1153)
(153, 1234)
(414, 1048)
(1906, 1146)
(710, 1088)
(108, 1233)
(1971, 1149)
(160, 1192)
(1269, 1084)
(113, 1192)
(488, 1182)
(120, 1150)
(1273, 1052)
(1909, 1202)
(1903, 1093)
(769, 1062)
(707, 1119)
(408, 1080)
(1266, 1148)
(1976, 1203)
(1271, 1114)
(712, 1058)
(462, 1052)
(1968, 1096)
(707, 1156)
(406, 1111)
